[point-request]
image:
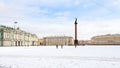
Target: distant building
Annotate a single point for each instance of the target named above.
(109, 39)
(16, 37)
(40, 42)
(58, 40)
(84, 42)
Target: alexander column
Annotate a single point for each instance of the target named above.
(75, 41)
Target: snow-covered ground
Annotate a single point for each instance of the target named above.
(68, 57)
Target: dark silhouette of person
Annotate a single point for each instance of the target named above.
(61, 46)
(56, 46)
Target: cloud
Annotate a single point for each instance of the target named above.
(115, 2)
(62, 14)
(56, 17)
(88, 29)
(2, 6)
(54, 3)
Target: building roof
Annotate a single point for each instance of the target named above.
(107, 35)
(58, 36)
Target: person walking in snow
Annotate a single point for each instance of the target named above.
(61, 46)
(57, 46)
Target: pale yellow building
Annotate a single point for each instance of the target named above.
(58, 40)
(40, 42)
(84, 42)
(109, 39)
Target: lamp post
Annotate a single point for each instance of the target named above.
(15, 24)
(13, 34)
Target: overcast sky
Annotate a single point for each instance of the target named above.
(56, 17)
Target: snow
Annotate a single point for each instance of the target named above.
(66, 57)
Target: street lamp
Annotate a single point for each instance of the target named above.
(13, 35)
(15, 24)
